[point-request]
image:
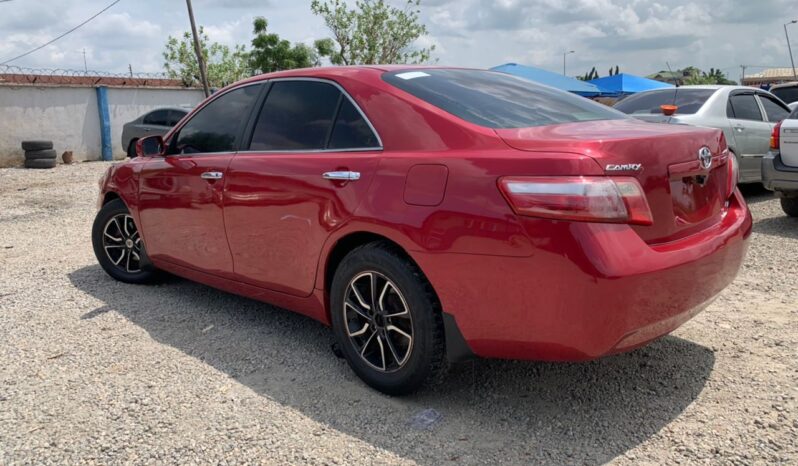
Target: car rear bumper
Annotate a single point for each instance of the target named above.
(594, 290)
(779, 177)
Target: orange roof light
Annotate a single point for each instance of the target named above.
(668, 109)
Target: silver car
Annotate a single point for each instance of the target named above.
(155, 122)
(746, 115)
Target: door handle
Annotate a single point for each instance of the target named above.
(341, 176)
(212, 176)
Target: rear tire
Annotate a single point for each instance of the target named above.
(118, 245)
(790, 206)
(391, 330)
(131, 148)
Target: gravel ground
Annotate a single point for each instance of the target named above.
(92, 370)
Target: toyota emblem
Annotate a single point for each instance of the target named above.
(705, 157)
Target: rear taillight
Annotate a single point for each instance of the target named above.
(733, 173)
(774, 137)
(580, 198)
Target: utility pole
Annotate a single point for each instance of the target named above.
(789, 48)
(198, 50)
(85, 66)
(130, 68)
(742, 78)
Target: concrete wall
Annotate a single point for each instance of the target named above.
(68, 116)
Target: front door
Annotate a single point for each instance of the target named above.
(308, 166)
(181, 194)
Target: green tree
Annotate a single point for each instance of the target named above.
(373, 32)
(696, 76)
(271, 53)
(224, 65)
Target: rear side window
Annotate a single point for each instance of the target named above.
(787, 94)
(744, 107)
(157, 118)
(351, 131)
(175, 116)
(497, 100)
(773, 109)
(688, 101)
(309, 115)
(297, 115)
(215, 127)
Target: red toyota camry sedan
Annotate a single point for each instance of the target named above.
(433, 214)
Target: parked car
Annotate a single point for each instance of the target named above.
(156, 122)
(787, 92)
(780, 166)
(746, 115)
(433, 214)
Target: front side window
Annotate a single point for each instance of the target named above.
(497, 100)
(687, 101)
(157, 118)
(215, 127)
(744, 107)
(309, 115)
(773, 109)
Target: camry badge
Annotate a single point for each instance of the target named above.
(634, 167)
(705, 157)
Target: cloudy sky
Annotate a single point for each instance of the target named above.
(638, 35)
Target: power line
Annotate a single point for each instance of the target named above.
(62, 35)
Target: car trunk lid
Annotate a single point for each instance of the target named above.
(684, 195)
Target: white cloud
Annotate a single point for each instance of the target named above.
(637, 35)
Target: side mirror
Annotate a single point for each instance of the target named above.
(151, 146)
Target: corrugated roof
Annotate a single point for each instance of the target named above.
(771, 73)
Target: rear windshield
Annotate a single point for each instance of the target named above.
(787, 94)
(688, 101)
(497, 100)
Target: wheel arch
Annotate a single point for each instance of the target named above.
(457, 349)
(348, 242)
(110, 196)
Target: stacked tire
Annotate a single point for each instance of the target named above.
(39, 154)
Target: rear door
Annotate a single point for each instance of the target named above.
(306, 167)
(181, 195)
(751, 133)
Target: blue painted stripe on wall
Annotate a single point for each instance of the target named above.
(105, 123)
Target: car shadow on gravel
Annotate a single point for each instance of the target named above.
(485, 411)
(784, 226)
(755, 193)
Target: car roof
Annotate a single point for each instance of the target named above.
(782, 85)
(182, 109)
(353, 71)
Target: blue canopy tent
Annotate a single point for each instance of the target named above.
(627, 84)
(548, 78)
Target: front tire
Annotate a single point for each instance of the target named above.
(118, 245)
(387, 320)
(790, 206)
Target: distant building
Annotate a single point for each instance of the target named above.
(769, 77)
